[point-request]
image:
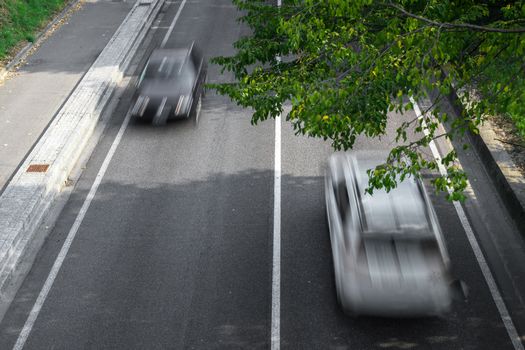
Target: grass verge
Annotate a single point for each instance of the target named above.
(21, 19)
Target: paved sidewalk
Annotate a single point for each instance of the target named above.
(30, 99)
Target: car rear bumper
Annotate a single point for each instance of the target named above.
(402, 301)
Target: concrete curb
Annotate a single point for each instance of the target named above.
(28, 196)
(509, 182)
(24, 52)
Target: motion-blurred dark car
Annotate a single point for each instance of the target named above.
(170, 85)
(389, 254)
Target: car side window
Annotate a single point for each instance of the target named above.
(196, 57)
(341, 198)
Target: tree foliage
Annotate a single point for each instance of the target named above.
(347, 64)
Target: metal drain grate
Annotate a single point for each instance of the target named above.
(37, 168)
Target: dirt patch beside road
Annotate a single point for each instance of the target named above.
(509, 136)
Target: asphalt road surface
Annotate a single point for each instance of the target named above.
(176, 250)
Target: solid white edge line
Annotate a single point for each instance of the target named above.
(24, 334)
(172, 25)
(276, 266)
(496, 295)
(28, 325)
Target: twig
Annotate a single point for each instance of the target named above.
(510, 143)
(456, 25)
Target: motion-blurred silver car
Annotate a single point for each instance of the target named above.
(170, 85)
(389, 255)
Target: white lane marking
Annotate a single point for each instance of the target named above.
(276, 267)
(24, 334)
(172, 25)
(496, 295)
(28, 325)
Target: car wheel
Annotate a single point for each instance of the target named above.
(337, 282)
(195, 111)
(339, 294)
(204, 82)
(198, 110)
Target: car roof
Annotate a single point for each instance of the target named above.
(173, 54)
(177, 54)
(403, 211)
(169, 63)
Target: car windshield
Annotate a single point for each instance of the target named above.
(400, 212)
(166, 68)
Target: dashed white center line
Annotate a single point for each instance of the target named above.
(494, 291)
